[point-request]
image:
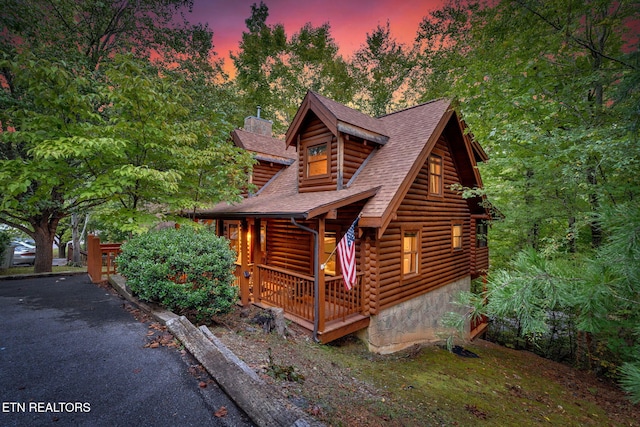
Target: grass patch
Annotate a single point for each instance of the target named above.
(11, 271)
(436, 386)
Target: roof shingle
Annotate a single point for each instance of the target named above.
(272, 147)
(412, 133)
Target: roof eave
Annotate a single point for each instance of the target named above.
(243, 215)
(362, 133)
(323, 209)
(273, 159)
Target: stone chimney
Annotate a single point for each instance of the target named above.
(258, 125)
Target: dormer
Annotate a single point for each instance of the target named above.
(333, 142)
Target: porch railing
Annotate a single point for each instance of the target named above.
(295, 294)
(341, 302)
(291, 291)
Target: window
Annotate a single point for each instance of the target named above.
(317, 160)
(330, 240)
(481, 235)
(410, 242)
(456, 236)
(435, 175)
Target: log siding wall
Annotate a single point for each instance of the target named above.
(355, 153)
(289, 247)
(439, 263)
(316, 133)
(263, 172)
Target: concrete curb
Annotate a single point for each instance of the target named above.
(120, 285)
(50, 274)
(262, 403)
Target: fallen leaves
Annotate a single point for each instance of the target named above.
(138, 314)
(159, 336)
(222, 412)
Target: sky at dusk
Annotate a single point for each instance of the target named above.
(350, 20)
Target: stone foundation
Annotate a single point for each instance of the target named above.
(416, 321)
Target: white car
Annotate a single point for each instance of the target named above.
(23, 253)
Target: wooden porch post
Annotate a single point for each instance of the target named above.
(244, 263)
(321, 281)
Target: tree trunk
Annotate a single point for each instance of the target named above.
(75, 236)
(62, 249)
(571, 236)
(43, 236)
(596, 230)
(533, 233)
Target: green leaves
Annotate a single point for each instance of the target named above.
(275, 71)
(381, 66)
(598, 295)
(529, 292)
(186, 270)
(539, 85)
(83, 126)
(75, 147)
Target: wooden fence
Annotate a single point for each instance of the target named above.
(101, 258)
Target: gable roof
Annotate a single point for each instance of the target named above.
(384, 180)
(413, 133)
(265, 147)
(338, 118)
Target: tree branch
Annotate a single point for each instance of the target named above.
(579, 41)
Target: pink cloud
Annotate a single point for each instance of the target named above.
(350, 20)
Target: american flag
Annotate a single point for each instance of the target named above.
(347, 255)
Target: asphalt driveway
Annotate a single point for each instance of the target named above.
(71, 354)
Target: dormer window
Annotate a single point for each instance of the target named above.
(317, 160)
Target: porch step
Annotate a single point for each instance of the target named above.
(478, 330)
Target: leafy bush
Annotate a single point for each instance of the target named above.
(187, 271)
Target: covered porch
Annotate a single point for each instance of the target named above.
(339, 311)
(287, 258)
(312, 293)
(294, 268)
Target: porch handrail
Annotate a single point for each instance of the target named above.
(343, 302)
(285, 271)
(293, 292)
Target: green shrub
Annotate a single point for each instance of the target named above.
(187, 271)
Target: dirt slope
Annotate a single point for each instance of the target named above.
(343, 384)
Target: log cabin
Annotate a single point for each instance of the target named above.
(418, 242)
